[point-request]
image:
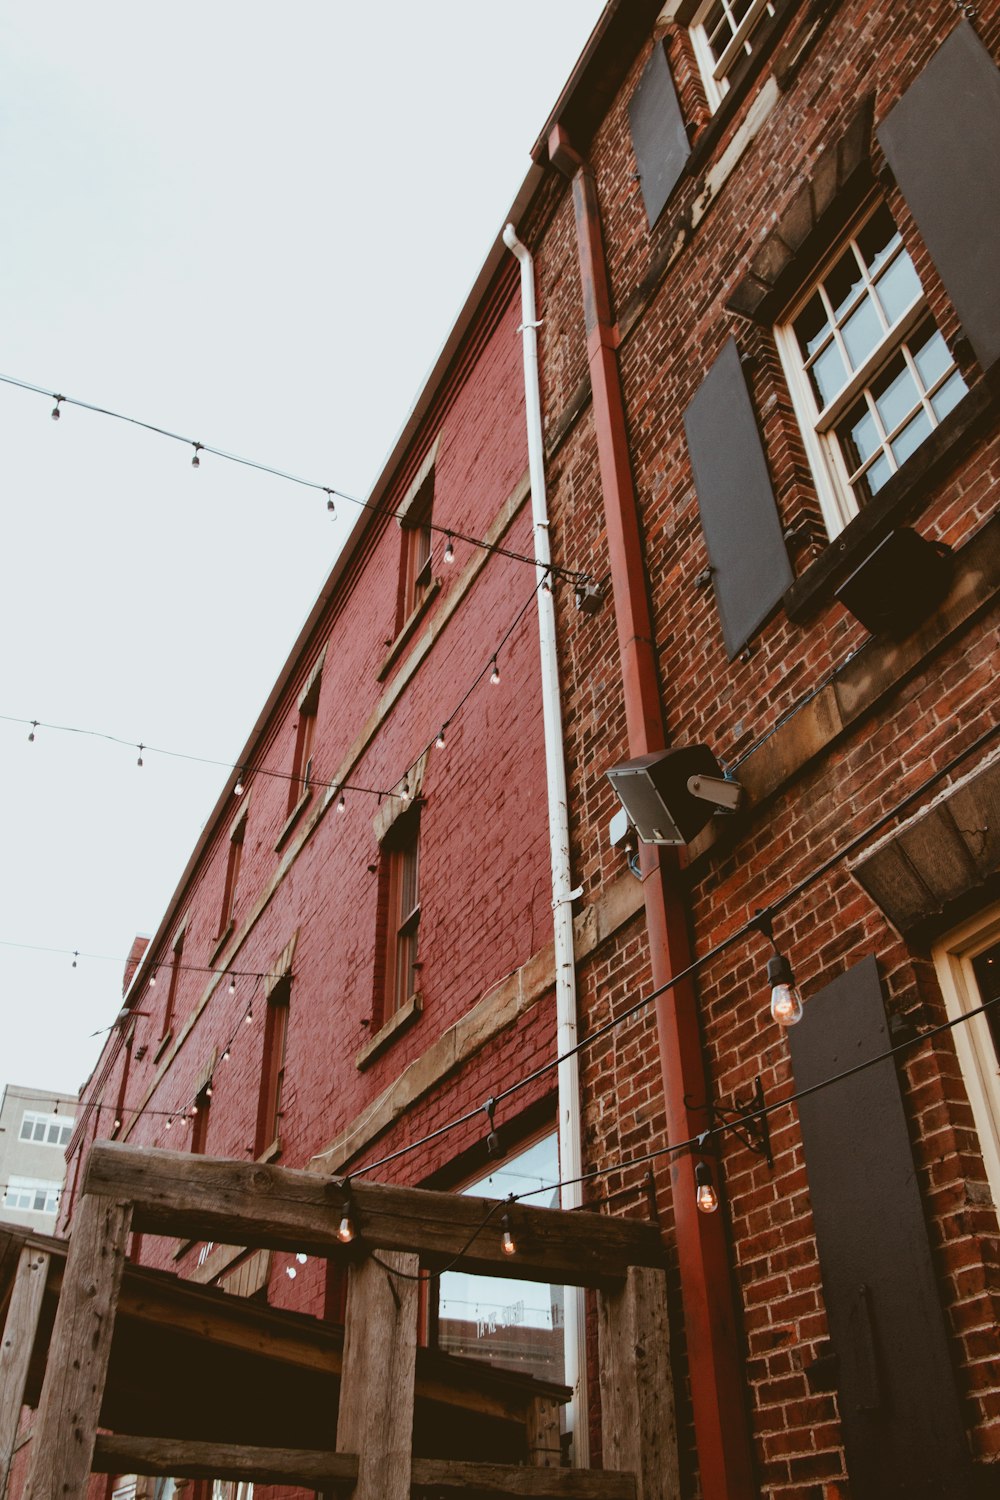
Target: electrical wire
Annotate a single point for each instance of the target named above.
(571, 575)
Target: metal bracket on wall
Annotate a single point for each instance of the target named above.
(744, 1118)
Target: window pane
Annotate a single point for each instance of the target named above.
(949, 395)
(54, 1132)
(859, 435)
(877, 239)
(862, 333)
(931, 357)
(911, 437)
(895, 393)
(38, 1134)
(828, 375)
(873, 479)
(812, 326)
(843, 282)
(899, 288)
(26, 1128)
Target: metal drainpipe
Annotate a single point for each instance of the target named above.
(715, 1356)
(568, 1073)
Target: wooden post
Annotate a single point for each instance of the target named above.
(376, 1383)
(637, 1395)
(544, 1447)
(15, 1350)
(70, 1405)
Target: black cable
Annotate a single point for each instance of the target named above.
(440, 1270)
(572, 575)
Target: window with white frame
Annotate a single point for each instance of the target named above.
(869, 373)
(45, 1130)
(722, 33)
(968, 969)
(32, 1195)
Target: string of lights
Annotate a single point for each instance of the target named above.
(111, 958)
(332, 492)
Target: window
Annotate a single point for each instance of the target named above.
(403, 912)
(515, 1325)
(273, 1068)
(175, 972)
(723, 35)
(869, 373)
(33, 1195)
(46, 1130)
(232, 1489)
(304, 734)
(968, 967)
(417, 551)
(236, 836)
(199, 1120)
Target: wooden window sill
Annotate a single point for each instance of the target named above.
(292, 819)
(397, 1023)
(408, 629)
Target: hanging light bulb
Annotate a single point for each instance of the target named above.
(56, 413)
(31, 732)
(345, 1230)
(329, 503)
(225, 1055)
(439, 742)
(786, 1002)
(705, 1195)
(194, 1109)
(341, 804)
(208, 1091)
(76, 955)
(169, 1124)
(495, 674)
(248, 1018)
(238, 788)
(232, 984)
(547, 584)
(301, 1257)
(117, 1125)
(152, 980)
(405, 795)
(449, 551)
(507, 1242)
(196, 461)
(141, 749)
(291, 1272)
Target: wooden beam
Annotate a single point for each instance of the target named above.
(183, 1459)
(77, 1365)
(249, 1203)
(637, 1394)
(20, 1328)
(542, 1432)
(376, 1387)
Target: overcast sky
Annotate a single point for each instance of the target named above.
(253, 225)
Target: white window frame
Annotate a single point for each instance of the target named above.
(61, 1124)
(833, 488)
(715, 72)
(977, 1056)
(30, 1186)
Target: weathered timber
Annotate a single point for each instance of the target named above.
(116, 1454)
(78, 1352)
(18, 1340)
(544, 1447)
(376, 1386)
(253, 1204)
(637, 1396)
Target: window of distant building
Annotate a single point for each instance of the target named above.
(723, 33)
(46, 1130)
(869, 374)
(968, 968)
(305, 731)
(32, 1195)
(234, 857)
(176, 965)
(272, 1080)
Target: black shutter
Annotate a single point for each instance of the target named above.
(750, 568)
(942, 141)
(658, 135)
(903, 1432)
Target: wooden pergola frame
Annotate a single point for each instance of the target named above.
(128, 1189)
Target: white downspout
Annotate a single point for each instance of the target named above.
(570, 1154)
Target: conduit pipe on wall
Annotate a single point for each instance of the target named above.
(715, 1356)
(568, 1073)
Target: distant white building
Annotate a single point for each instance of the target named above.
(35, 1127)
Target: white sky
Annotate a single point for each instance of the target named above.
(254, 225)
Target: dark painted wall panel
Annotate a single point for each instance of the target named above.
(942, 141)
(659, 138)
(903, 1431)
(750, 567)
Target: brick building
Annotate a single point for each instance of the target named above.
(35, 1127)
(767, 329)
